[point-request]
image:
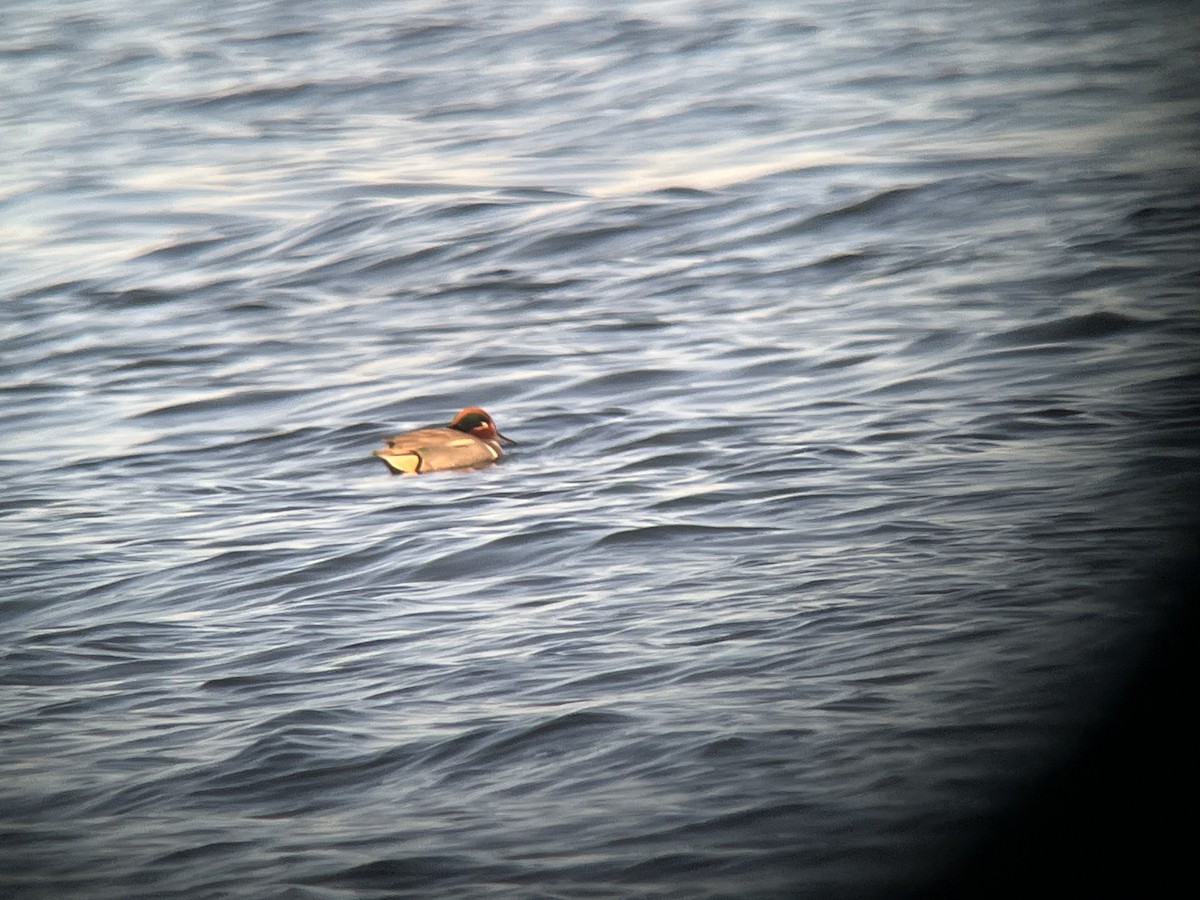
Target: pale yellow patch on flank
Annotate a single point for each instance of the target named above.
(405, 463)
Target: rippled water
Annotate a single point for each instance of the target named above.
(852, 350)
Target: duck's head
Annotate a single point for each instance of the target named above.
(474, 420)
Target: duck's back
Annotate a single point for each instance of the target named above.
(431, 449)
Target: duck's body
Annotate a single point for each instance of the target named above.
(470, 440)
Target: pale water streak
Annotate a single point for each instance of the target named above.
(852, 350)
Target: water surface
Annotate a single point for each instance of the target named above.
(852, 353)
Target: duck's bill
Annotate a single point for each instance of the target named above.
(506, 440)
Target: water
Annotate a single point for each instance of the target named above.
(852, 353)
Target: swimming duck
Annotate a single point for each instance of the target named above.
(471, 439)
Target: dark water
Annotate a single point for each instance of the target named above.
(852, 349)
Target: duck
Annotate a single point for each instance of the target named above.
(471, 439)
